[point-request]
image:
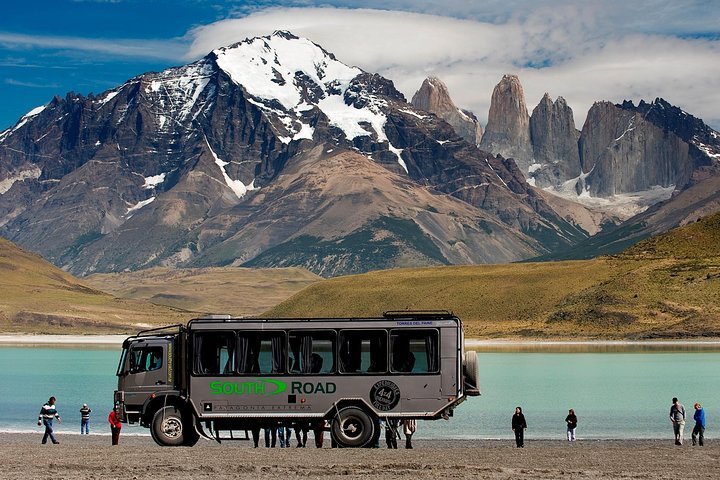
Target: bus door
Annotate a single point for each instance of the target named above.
(148, 369)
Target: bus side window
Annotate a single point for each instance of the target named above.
(414, 351)
(312, 351)
(261, 352)
(363, 351)
(214, 353)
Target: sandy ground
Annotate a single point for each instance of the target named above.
(77, 458)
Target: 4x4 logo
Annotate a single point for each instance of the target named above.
(385, 395)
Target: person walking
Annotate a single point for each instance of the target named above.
(699, 429)
(115, 424)
(85, 419)
(677, 417)
(571, 422)
(392, 433)
(48, 413)
(518, 426)
(409, 428)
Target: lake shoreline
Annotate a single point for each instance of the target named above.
(21, 339)
(92, 457)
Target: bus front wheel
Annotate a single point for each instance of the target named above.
(352, 427)
(168, 428)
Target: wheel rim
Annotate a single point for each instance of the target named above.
(352, 428)
(172, 427)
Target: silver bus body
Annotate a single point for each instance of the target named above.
(218, 375)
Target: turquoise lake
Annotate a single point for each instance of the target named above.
(617, 394)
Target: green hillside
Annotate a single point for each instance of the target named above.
(37, 297)
(664, 287)
(696, 240)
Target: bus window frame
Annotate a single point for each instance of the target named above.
(193, 353)
(333, 351)
(390, 350)
(338, 362)
(286, 343)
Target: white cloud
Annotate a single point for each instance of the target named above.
(561, 48)
(125, 47)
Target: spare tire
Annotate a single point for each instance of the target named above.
(472, 374)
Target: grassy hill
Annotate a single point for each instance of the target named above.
(237, 291)
(37, 297)
(664, 287)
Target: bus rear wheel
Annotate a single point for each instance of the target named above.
(353, 427)
(168, 428)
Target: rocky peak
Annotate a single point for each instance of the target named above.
(434, 97)
(622, 152)
(703, 140)
(555, 143)
(508, 129)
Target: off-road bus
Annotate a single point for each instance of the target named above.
(218, 376)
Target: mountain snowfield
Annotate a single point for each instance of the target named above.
(271, 152)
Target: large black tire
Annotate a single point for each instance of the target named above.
(353, 427)
(472, 373)
(168, 427)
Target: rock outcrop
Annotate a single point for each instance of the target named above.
(622, 152)
(434, 97)
(508, 128)
(555, 143)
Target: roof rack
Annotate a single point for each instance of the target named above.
(160, 330)
(418, 314)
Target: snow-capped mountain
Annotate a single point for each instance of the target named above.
(267, 152)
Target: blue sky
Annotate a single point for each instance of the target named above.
(582, 50)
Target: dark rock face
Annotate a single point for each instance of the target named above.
(508, 129)
(555, 143)
(434, 97)
(242, 155)
(623, 152)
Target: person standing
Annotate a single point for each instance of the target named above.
(571, 421)
(677, 417)
(301, 433)
(85, 419)
(699, 429)
(519, 425)
(409, 427)
(48, 413)
(270, 432)
(319, 432)
(392, 433)
(115, 424)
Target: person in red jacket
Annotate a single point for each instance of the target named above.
(115, 425)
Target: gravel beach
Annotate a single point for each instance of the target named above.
(137, 457)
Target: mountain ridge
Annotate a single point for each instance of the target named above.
(169, 166)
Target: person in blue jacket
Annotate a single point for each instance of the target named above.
(699, 430)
